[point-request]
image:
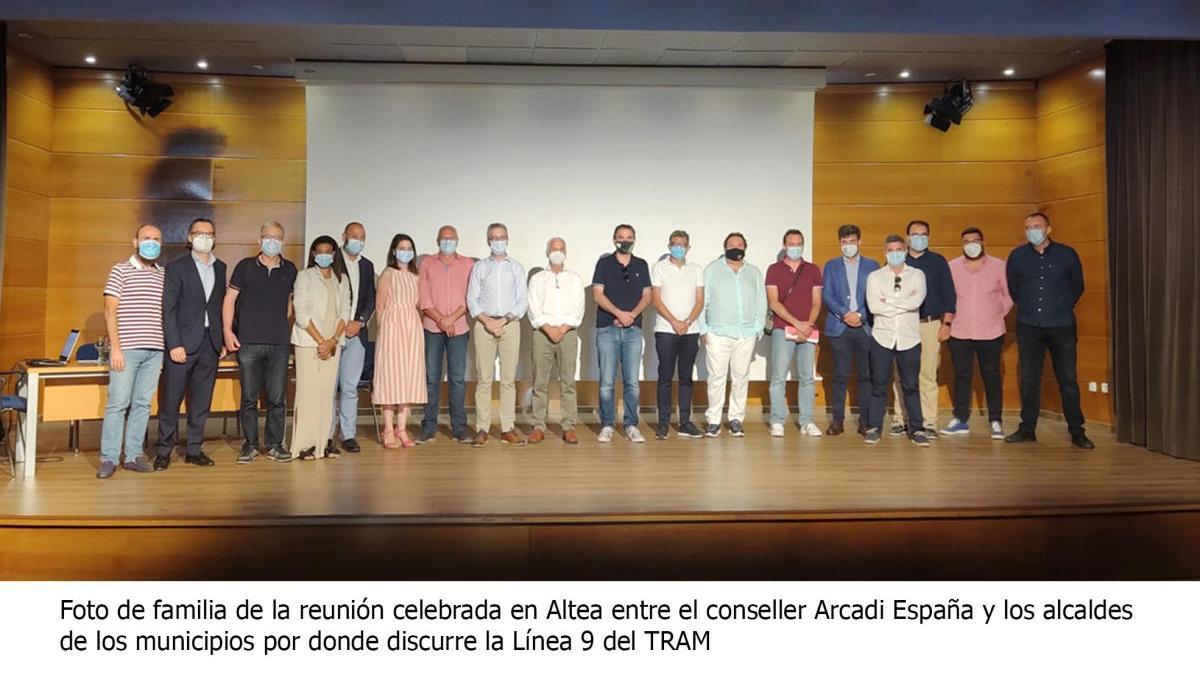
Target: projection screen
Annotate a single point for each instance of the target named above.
(561, 151)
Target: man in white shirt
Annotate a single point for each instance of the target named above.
(894, 295)
(556, 304)
(677, 291)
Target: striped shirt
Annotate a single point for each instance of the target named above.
(139, 292)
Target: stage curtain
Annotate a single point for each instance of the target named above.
(1152, 104)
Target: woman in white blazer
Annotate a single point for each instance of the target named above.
(321, 297)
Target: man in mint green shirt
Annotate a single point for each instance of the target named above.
(735, 308)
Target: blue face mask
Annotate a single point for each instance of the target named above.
(895, 258)
(918, 242)
(447, 246)
(149, 249)
(795, 252)
(404, 256)
(498, 246)
(1035, 236)
(354, 246)
(272, 247)
(678, 252)
(323, 260)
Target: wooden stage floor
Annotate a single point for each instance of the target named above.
(710, 496)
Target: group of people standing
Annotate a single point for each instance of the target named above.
(881, 319)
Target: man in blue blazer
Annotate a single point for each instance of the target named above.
(193, 292)
(353, 354)
(848, 325)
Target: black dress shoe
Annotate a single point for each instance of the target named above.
(1079, 440)
(1020, 436)
(350, 445)
(162, 462)
(199, 459)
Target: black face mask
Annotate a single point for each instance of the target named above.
(624, 246)
(735, 254)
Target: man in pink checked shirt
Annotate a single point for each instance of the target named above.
(977, 331)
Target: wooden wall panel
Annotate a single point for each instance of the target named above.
(924, 183)
(1071, 187)
(1074, 174)
(30, 98)
(194, 94)
(258, 180)
(26, 215)
(29, 120)
(179, 135)
(28, 167)
(124, 177)
(113, 220)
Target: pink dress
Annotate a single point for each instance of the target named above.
(400, 346)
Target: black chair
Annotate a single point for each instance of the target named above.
(366, 383)
(12, 408)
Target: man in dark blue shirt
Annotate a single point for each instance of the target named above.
(937, 311)
(1045, 280)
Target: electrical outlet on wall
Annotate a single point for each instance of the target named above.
(1092, 387)
(1103, 387)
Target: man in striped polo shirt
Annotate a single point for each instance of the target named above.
(133, 317)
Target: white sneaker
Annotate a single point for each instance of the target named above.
(997, 431)
(777, 430)
(634, 435)
(605, 436)
(811, 429)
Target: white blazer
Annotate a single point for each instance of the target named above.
(310, 299)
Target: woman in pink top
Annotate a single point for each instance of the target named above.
(977, 331)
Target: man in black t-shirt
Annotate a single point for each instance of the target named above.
(257, 311)
(621, 287)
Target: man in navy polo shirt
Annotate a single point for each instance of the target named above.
(621, 287)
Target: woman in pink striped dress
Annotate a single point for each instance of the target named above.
(400, 348)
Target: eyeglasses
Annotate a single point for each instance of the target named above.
(897, 286)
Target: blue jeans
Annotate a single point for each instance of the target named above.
(345, 399)
(454, 349)
(783, 352)
(130, 390)
(614, 344)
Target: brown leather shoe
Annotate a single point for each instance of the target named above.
(570, 437)
(481, 439)
(511, 437)
(537, 436)
(835, 429)
(862, 428)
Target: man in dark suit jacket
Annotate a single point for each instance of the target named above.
(353, 354)
(848, 325)
(193, 293)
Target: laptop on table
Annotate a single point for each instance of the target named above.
(64, 356)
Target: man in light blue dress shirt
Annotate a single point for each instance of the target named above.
(497, 297)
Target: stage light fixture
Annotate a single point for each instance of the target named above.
(139, 90)
(949, 108)
(904, 74)
(1009, 72)
(202, 64)
(89, 59)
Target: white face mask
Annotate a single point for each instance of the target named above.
(202, 243)
(973, 249)
(849, 250)
(557, 257)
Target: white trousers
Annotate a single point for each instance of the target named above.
(728, 358)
